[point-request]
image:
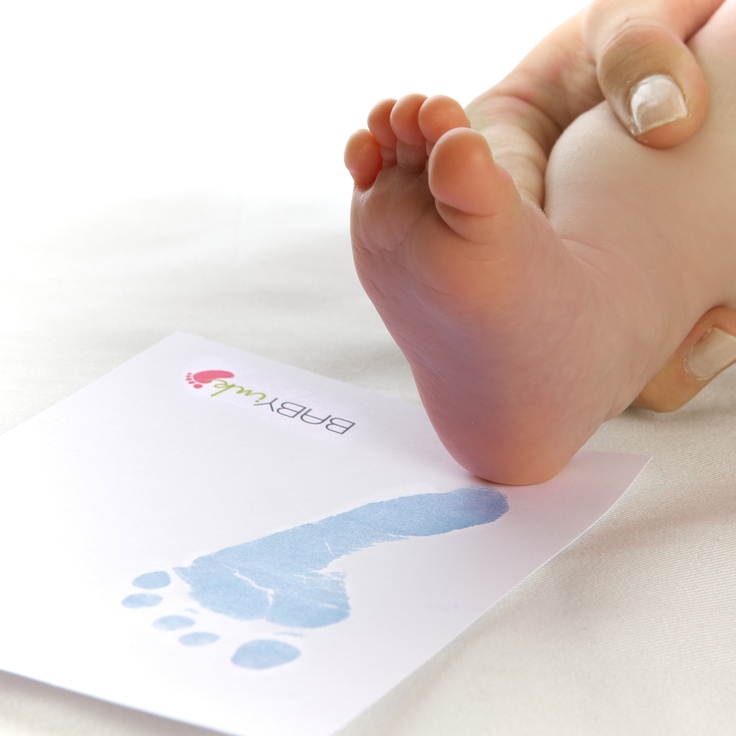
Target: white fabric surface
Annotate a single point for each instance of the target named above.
(631, 630)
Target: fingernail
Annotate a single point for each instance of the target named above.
(655, 101)
(715, 351)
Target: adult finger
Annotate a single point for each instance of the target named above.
(646, 71)
(709, 349)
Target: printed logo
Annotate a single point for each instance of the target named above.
(199, 379)
(218, 381)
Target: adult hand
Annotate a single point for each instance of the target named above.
(633, 54)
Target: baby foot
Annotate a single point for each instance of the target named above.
(515, 340)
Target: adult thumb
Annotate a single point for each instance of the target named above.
(649, 76)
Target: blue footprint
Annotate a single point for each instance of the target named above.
(280, 578)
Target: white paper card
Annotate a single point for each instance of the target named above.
(227, 541)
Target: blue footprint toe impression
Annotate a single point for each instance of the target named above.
(280, 578)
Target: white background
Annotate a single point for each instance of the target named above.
(104, 101)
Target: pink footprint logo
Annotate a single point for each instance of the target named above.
(199, 379)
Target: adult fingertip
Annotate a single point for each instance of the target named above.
(664, 112)
(707, 351)
(713, 353)
(654, 85)
(655, 101)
